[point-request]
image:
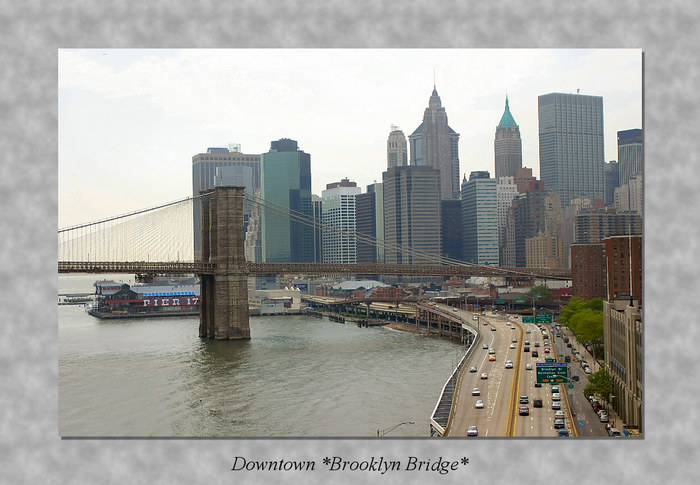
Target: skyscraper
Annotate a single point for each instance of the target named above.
(630, 154)
(396, 148)
(612, 181)
(339, 220)
(572, 145)
(204, 169)
(508, 146)
(412, 214)
(435, 144)
(480, 219)
(286, 187)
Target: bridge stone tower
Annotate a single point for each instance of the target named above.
(224, 294)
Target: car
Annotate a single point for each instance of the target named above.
(587, 370)
(512, 327)
(555, 388)
(493, 329)
(474, 317)
(484, 375)
(575, 378)
(472, 369)
(509, 364)
(600, 412)
(614, 432)
(492, 351)
(526, 348)
(567, 358)
(535, 353)
(479, 404)
(454, 309)
(563, 433)
(559, 423)
(528, 367)
(537, 344)
(512, 346)
(537, 402)
(604, 418)
(473, 431)
(524, 400)
(556, 405)
(559, 414)
(528, 331)
(538, 384)
(556, 396)
(524, 411)
(546, 351)
(527, 342)
(485, 346)
(492, 358)
(515, 340)
(476, 392)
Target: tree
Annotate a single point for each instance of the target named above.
(576, 304)
(600, 384)
(540, 292)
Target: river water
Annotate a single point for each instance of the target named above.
(297, 376)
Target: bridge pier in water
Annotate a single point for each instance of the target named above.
(224, 294)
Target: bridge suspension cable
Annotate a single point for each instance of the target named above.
(304, 219)
(161, 233)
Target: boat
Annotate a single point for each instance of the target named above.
(163, 297)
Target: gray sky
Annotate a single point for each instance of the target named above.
(131, 120)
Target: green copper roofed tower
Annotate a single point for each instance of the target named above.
(508, 146)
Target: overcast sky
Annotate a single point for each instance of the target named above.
(131, 120)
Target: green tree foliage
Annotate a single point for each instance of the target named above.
(575, 305)
(600, 384)
(595, 304)
(542, 290)
(585, 319)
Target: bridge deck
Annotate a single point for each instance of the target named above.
(253, 268)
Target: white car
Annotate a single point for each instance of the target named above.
(556, 397)
(512, 346)
(479, 404)
(528, 367)
(476, 392)
(559, 414)
(509, 364)
(492, 351)
(473, 431)
(484, 375)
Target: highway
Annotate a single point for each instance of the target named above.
(501, 391)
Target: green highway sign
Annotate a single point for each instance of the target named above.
(544, 318)
(520, 299)
(552, 372)
(500, 301)
(528, 319)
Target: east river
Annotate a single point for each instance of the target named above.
(297, 376)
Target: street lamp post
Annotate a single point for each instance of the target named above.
(389, 430)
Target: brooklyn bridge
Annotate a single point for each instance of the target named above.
(159, 241)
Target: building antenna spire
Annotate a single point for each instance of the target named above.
(434, 84)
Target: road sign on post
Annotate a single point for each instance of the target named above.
(552, 372)
(543, 318)
(528, 319)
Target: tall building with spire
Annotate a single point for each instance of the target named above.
(508, 146)
(396, 148)
(435, 144)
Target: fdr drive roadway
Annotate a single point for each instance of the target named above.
(502, 388)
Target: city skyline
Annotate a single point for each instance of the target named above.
(130, 121)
